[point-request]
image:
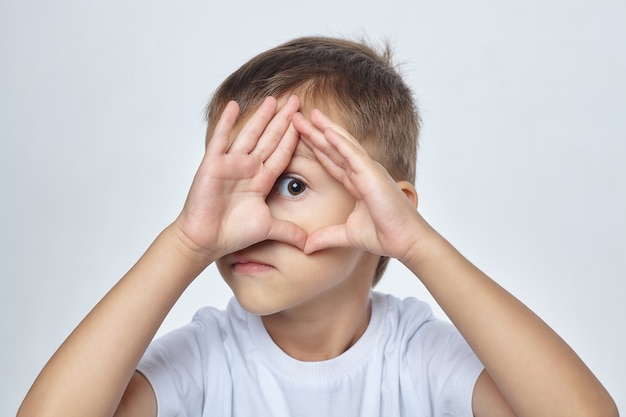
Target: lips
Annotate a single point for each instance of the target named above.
(251, 267)
(248, 265)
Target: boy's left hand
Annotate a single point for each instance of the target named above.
(384, 220)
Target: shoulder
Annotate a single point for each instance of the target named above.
(435, 359)
(211, 318)
(205, 334)
(186, 363)
(411, 325)
(406, 315)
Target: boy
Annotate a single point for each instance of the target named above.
(304, 193)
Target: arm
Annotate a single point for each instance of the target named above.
(531, 371)
(90, 372)
(534, 369)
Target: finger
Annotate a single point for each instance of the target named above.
(336, 167)
(344, 147)
(351, 155)
(318, 135)
(281, 156)
(288, 232)
(313, 135)
(276, 129)
(317, 141)
(327, 154)
(220, 140)
(323, 122)
(325, 238)
(364, 176)
(253, 128)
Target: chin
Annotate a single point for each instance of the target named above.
(258, 307)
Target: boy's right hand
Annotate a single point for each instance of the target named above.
(226, 210)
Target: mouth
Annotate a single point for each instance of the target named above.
(251, 267)
(244, 265)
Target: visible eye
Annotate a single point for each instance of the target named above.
(289, 186)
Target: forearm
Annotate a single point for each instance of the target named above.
(534, 368)
(89, 372)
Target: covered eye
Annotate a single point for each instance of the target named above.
(289, 186)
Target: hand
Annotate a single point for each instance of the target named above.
(226, 210)
(384, 221)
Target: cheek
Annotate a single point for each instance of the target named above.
(310, 217)
(223, 268)
(314, 212)
(325, 269)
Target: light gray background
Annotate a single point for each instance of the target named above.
(522, 163)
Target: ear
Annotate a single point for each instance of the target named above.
(409, 191)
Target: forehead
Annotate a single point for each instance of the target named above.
(304, 152)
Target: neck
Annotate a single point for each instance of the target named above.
(321, 328)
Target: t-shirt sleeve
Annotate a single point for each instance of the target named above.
(174, 366)
(439, 352)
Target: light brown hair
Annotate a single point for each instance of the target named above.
(359, 83)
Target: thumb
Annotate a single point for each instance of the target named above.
(326, 237)
(288, 232)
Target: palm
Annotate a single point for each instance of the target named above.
(378, 223)
(226, 210)
(380, 219)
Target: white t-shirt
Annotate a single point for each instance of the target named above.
(224, 363)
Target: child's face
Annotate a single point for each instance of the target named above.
(272, 276)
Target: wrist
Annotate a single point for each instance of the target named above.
(186, 249)
(425, 250)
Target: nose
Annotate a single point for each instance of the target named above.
(288, 210)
